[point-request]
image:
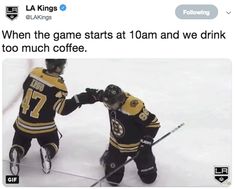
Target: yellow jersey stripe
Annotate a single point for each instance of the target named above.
(155, 120)
(123, 150)
(56, 104)
(153, 126)
(35, 128)
(54, 146)
(124, 145)
(34, 124)
(35, 132)
(61, 107)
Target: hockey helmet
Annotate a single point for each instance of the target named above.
(113, 97)
(53, 64)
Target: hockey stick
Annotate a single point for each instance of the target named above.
(134, 157)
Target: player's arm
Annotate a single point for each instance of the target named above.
(65, 106)
(151, 125)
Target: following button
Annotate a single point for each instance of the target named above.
(196, 11)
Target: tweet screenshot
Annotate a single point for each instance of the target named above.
(128, 93)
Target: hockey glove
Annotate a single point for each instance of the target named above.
(145, 143)
(97, 94)
(85, 98)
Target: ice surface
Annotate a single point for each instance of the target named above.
(197, 92)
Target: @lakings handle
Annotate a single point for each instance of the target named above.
(131, 159)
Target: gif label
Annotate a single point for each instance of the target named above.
(11, 179)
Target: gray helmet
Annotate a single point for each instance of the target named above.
(52, 64)
(113, 97)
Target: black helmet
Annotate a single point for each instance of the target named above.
(52, 65)
(113, 97)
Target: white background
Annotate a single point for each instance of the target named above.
(128, 15)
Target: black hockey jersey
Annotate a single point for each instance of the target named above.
(43, 96)
(130, 123)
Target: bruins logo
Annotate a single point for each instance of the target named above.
(134, 103)
(117, 128)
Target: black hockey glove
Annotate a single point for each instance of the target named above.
(97, 94)
(145, 143)
(85, 98)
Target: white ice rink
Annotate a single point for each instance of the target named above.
(197, 92)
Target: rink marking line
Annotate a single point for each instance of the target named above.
(18, 94)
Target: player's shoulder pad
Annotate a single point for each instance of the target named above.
(36, 70)
(51, 81)
(132, 105)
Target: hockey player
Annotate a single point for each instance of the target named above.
(133, 129)
(44, 95)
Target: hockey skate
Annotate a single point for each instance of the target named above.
(14, 156)
(46, 160)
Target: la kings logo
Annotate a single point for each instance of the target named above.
(12, 12)
(221, 174)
